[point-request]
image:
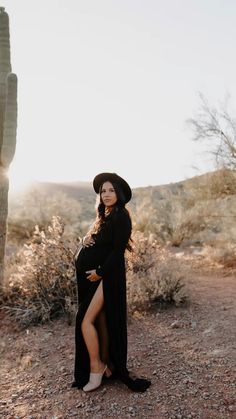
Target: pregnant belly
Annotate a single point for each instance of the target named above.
(91, 257)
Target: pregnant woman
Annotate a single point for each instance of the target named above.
(101, 323)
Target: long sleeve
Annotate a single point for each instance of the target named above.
(121, 225)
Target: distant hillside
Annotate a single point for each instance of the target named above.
(75, 190)
(78, 191)
(197, 210)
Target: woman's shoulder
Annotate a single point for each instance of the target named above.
(120, 214)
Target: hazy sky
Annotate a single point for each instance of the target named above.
(107, 85)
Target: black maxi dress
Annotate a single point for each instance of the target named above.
(107, 257)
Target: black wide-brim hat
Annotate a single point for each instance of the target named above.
(112, 177)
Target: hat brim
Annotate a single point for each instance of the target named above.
(112, 177)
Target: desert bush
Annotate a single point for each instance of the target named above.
(144, 253)
(221, 253)
(222, 183)
(168, 288)
(40, 280)
(38, 208)
(194, 223)
(150, 222)
(154, 277)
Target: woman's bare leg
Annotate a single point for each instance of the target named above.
(89, 331)
(101, 327)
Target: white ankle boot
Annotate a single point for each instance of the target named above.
(95, 379)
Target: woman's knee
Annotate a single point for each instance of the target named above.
(88, 319)
(85, 323)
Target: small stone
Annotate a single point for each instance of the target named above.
(80, 404)
(154, 372)
(175, 325)
(48, 391)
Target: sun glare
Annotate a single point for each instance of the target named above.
(19, 180)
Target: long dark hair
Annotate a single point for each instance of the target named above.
(119, 205)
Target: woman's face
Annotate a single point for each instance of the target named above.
(108, 194)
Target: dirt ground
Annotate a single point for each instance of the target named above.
(189, 353)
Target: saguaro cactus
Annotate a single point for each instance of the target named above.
(8, 123)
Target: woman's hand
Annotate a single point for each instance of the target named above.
(92, 276)
(87, 241)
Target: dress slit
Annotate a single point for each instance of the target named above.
(93, 296)
(82, 361)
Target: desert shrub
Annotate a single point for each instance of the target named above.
(38, 208)
(153, 276)
(144, 255)
(168, 287)
(221, 253)
(40, 279)
(41, 285)
(150, 222)
(194, 223)
(222, 183)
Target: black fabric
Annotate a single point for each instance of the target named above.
(107, 257)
